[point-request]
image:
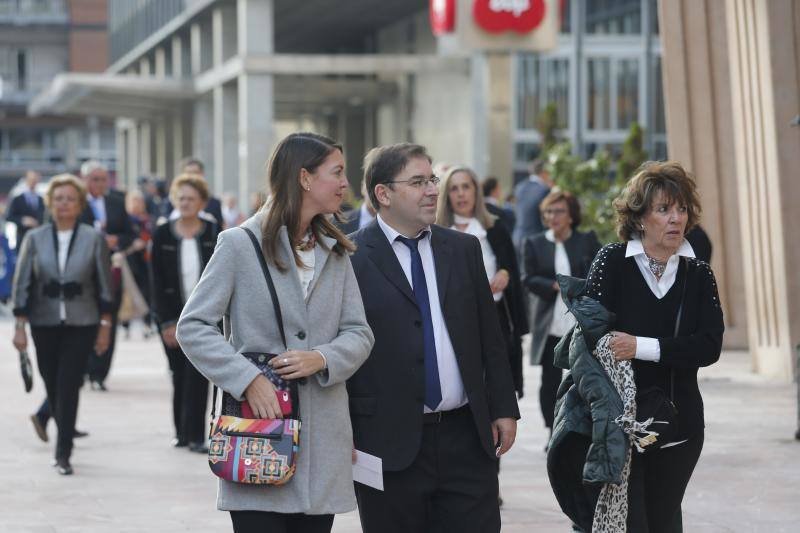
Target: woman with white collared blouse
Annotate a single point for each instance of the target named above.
(562, 249)
(647, 281)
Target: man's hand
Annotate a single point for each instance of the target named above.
(296, 364)
(504, 431)
(103, 340)
(112, 241)
(168, 334)
(20, 339)
(260, 394)
(29, 222)
(500, 281)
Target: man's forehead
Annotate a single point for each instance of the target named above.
(417, 166)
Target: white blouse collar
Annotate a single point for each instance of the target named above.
(635, 247)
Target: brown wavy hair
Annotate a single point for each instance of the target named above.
(651, 178)
(444, 211)
(296, 152)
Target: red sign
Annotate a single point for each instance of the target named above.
(443, 16)
(496, 16)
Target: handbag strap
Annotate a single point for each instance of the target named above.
(685, 265)
(275, 304)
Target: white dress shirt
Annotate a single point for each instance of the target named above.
(306, 273)
(63, 249)
(98, 205)
(190, 265)
(562, 318)
(647, 348)
(489, 259)
(453, 394)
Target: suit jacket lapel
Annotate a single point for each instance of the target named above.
(442, 259)
(382, 255)
(321, 256)
(571, 246)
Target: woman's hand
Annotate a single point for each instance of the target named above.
(168, 334)
(622, 345)
(20, 339)
(296, 364)
(260, 394)
(103, 339)
(499, 281)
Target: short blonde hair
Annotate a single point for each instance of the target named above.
(653, 177)
(444, 211)
(195, 181)
(63, 180)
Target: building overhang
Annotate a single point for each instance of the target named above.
(110, 96)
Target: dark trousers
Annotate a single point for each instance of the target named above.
(450, 487)
(657, 484)
(99, 365)
(189, 397)
(61, 356)
(551, 379)
(263, 522)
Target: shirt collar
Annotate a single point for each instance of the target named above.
(392, 233)
(635, 247)
(365, 212)
(536, 178)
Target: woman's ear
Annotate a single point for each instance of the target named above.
(304, 179)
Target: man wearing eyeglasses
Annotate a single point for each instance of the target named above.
(435, 400)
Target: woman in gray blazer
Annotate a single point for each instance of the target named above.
(326, 331)
(62, 288)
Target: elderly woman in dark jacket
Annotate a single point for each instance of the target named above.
(181, 250)
(62, 288)
(653, 284)
(461, 207)
(559, 250)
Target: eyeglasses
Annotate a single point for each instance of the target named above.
(419, 182)
(554, 212)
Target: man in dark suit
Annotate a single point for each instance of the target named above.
(529, 194)
(435, 399)
(27, 209)
(358, 218)
(106, 213)
(493, 196)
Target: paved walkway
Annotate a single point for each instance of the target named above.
(128, 479)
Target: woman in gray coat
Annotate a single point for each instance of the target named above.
(62, 288)
(326, 331)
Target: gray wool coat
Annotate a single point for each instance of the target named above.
(331, 319)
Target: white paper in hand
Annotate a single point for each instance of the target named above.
(368, 469)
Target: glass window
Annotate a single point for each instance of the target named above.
(22, 69)
(566, 16)
(627, 92)
(528, 93)
(613, 17)
(542, 81)
(598, 105)
(658, 101)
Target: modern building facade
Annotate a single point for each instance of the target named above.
(38, 40)
(604, 75)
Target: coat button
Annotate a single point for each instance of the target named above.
(261, 358)
(301, 335)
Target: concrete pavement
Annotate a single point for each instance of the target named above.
(128, 479)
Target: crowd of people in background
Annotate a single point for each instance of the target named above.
(90, 257)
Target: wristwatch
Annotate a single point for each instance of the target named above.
(19, 324)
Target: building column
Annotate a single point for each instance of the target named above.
(202, 132)
(226, 159)
(256, 95)
(764, 55)
(121, 149)
(132, 149)
(161, 148)
(698, 110)
(145, 141)
(178, 148)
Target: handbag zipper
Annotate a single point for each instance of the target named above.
(274, 436)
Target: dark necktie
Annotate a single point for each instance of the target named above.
(433, 388)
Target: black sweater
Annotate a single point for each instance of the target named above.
(618, 284)
(168, 297)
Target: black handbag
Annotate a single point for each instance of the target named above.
(656, 404)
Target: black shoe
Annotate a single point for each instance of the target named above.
(198, 447)
(78, 434)
(39, 427)
(98, 385)
(63, 467)
(179, 443)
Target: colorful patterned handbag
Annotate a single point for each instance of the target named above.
(256, 451)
